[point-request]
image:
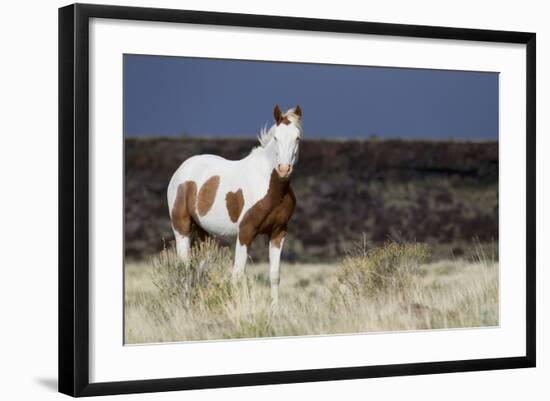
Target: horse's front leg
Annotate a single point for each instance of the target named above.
(241, 254)
(275, 246)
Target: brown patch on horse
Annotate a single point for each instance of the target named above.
(270, 214)
(234, 202)
(207, 194)
(183, 209)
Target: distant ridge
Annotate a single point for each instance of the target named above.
(441, 192)
(309, 137)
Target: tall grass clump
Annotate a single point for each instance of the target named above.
(203, 279)
(484, 254)
(370, 272)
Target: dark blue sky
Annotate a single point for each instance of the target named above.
(167, 96)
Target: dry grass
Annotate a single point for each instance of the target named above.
(384, 289)
(369, 272)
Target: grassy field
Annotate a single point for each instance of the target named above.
(391, 288)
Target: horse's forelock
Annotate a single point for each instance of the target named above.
(266, 135)
(294, 119)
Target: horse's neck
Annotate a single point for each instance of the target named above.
(262, 161)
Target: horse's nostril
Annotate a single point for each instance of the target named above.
(284, 170)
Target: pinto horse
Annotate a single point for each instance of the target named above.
(240, 199)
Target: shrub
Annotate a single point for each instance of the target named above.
(378, 270)
(203, 278)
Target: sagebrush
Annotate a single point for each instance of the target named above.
(372, 271)
(202, 279)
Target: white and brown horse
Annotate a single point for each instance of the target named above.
(240, 199)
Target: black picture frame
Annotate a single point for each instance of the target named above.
(74, 200)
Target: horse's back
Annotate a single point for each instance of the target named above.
(195, 169)
(197, 164)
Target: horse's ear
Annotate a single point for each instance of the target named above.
(277, 114)
(298, 111)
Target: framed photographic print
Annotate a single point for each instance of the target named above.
(249, 199)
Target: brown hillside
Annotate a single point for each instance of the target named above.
(443, 193)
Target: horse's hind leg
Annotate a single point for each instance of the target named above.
(182, 221)
(183, 243)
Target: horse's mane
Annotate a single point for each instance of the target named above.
(266, 135)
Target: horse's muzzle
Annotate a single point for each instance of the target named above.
(284, 170)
